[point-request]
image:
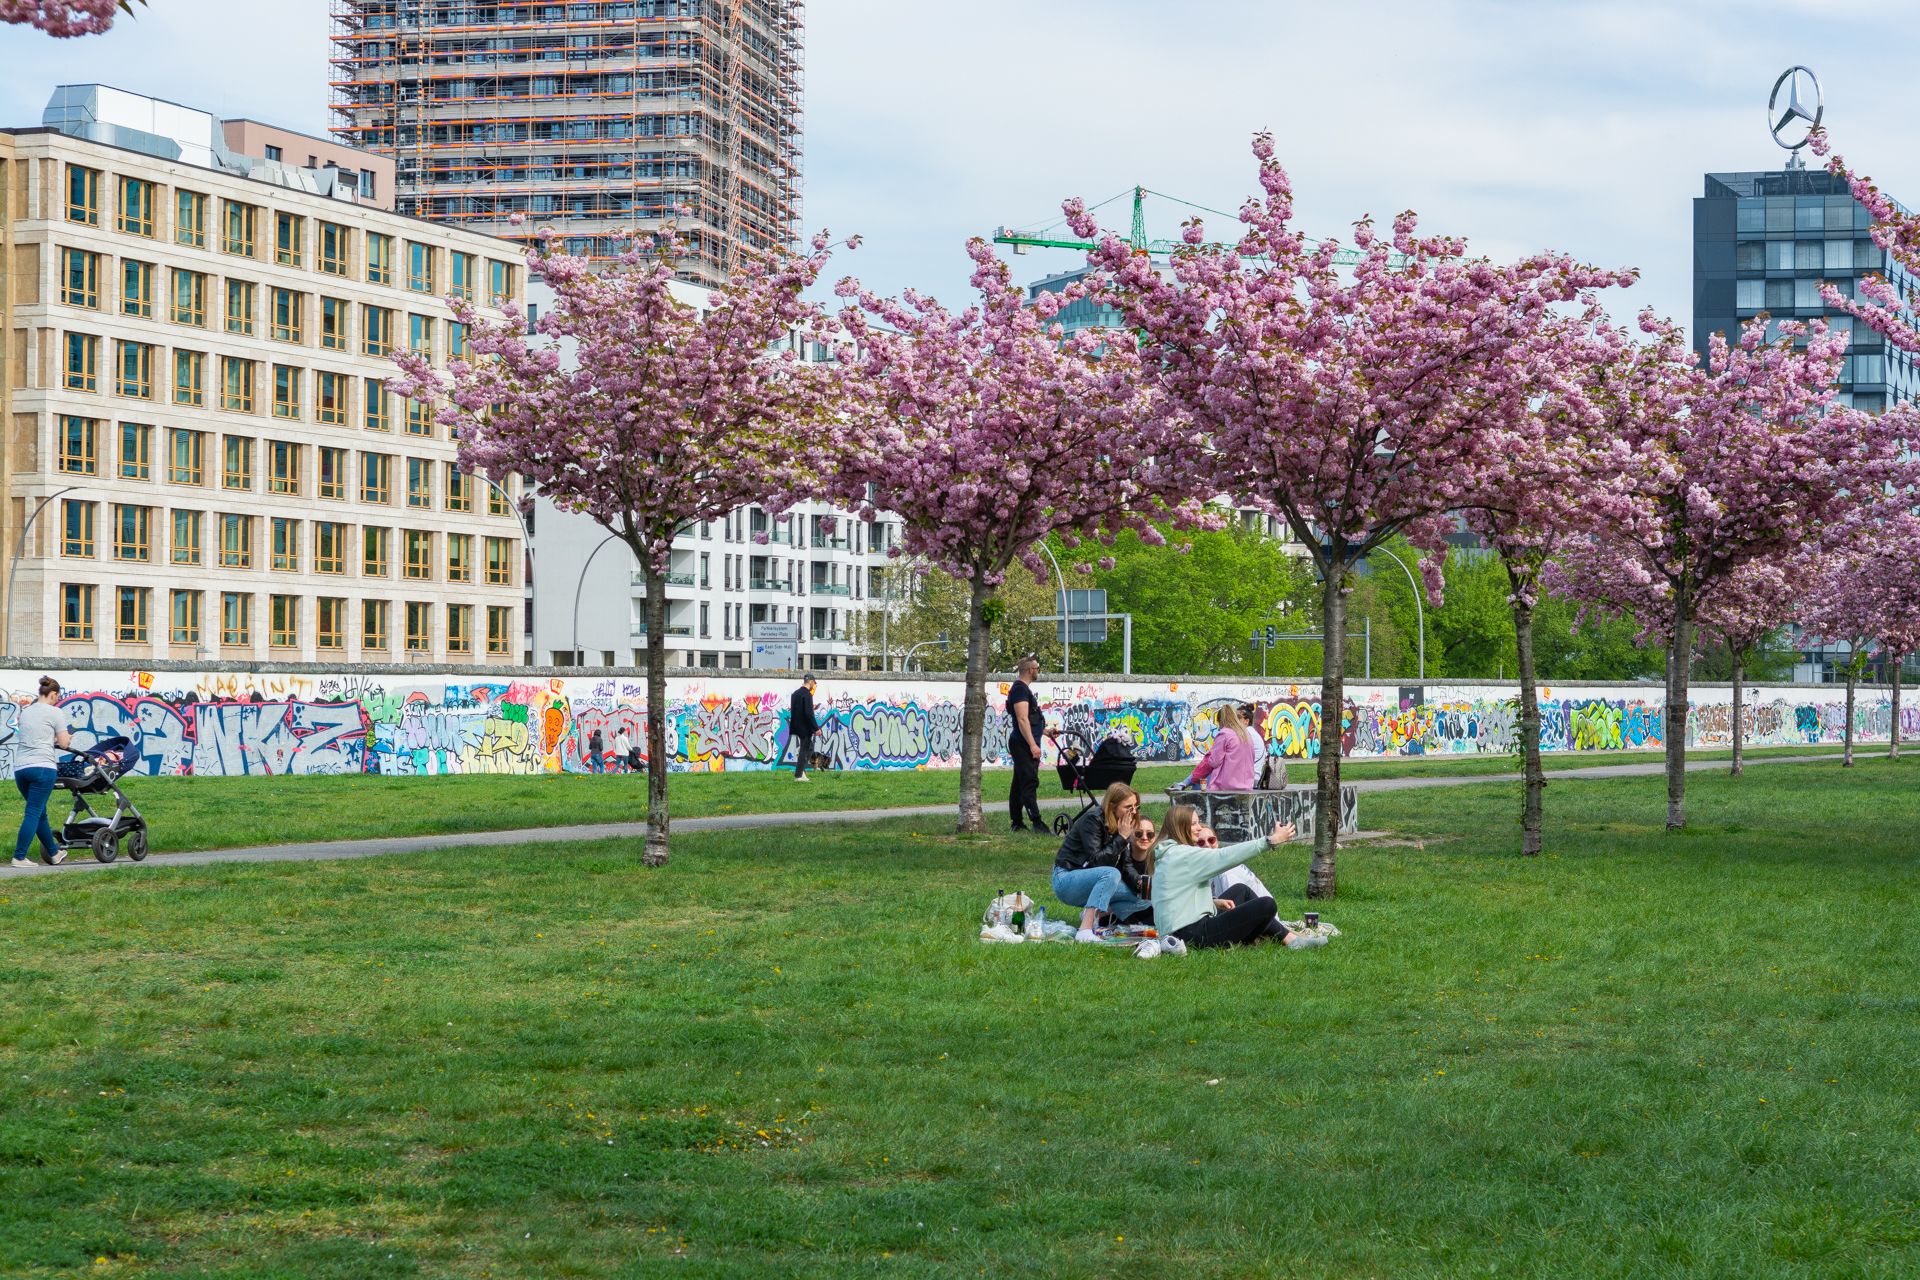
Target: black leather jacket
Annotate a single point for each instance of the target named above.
(1090, 844)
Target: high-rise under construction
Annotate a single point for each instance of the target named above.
(592, 117)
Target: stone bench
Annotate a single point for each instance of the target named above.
(1243, 815)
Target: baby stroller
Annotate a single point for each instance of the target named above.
(89, 772)
(1090, 772)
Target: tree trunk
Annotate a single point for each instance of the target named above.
(1321, 877)
(1738, 670)
(1679, 659)
(1893, 726)
(973, 716)
(1534, 784)
(654, 610)
(1846, 751)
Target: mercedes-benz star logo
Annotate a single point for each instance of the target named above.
(1793, 121)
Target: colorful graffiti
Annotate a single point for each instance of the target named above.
(235, 722)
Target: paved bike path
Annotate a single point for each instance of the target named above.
(331, 850)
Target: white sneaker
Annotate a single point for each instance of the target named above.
(801, 777)
(999, 933)
(23, 864)
(59, 856)
(1302, 941)
(1173, 946)
(1084, 935)
(1148, 950)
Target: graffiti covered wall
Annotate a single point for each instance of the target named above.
(229, 722)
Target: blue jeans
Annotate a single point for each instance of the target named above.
(36, 788)
(1100, 888)
(597, 761)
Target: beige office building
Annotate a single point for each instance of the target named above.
(200, 443)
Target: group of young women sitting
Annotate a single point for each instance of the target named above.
(1177, 879)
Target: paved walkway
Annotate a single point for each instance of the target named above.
(330, 850)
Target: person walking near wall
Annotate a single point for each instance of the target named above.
(597, 752)
(801, 726)
(40, 736)
(1028, 726)
(622, 752)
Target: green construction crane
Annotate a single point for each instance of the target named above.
(1162, 249)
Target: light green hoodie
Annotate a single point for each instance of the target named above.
(1183, 879)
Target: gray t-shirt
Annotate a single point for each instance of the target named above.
(38, 743)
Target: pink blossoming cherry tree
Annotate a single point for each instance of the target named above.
(1743, 611)
(987, 430)
(664, 414)
(1353, 407)
(1863, 591)
(65, 18)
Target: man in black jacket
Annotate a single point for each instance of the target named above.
(801, 726)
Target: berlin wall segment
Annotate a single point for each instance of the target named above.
(226, 721)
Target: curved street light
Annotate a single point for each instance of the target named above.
(578, 584)
(1066, 611)
(19, 545)
(1419, 614)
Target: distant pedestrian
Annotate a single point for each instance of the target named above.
(596, 752)
(801, 726)
(1024, 735)
(1269, 771)
(39, 738)
(623, 753)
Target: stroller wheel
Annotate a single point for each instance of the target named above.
(1060, 824)
(106, 846)
(137, 844)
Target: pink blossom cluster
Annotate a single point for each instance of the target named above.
(1881, 308)
(62, 18)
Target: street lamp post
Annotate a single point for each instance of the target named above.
(906, 662)
(1419, 614)
(1066, 611)
(19, 545)
(582, 582)
(526, 540)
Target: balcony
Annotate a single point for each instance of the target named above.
(774, 535)
(832, 589)
(832, 542)
(770, 584)
(673, 580)
(829, 633)
(673, 629)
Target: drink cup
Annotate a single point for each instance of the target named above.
(1312, 919)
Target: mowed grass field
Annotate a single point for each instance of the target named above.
(224, 813)
(786, 1055)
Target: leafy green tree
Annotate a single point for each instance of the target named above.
(1600, 650)
(925, 606)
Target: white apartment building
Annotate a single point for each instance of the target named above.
(201, 446)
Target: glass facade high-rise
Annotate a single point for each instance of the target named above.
(1766, 241)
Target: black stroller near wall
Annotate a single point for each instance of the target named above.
(1088, 773)
(90, 772)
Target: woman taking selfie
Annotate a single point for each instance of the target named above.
(1183, 903)
(1095, 869)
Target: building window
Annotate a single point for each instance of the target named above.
(419, 626)
(459, 557)
(419, 563)
(236, 467)
(373, 624)
(76, 527)
(289, 235)
(286, 391)
(186, 456)
(335, 242)
(79, 278)
(459, 628)
(236, 618)
(134, 376)
(283, 467)
(132, 532)
(83, 206)
(420, 334)
(76, 611)
(379, 415)
(283, 614)
(499, 624)
(236, 384)
(376, 477)
(83, 362)
(333, 473)
(376, 331)
(186, 618)
(456, 340)
(236, 542)
(239, 307)
(238, 233)
(330, 397)
(1838, 255)
(460, 275)
(499, 562)
(190, 218)
(379, 258)
(330, 627)
(419, 267)
(136, 288)
(136, 451)
(329, 547)
(459, 489)
(186, 537)
(79, 443)
(497, 498)
(133, 614)
(499, 282)
(273, 152)
(374, 544)
(419, 418)
(136, 207)
(189, 377)
(419, 483)
(189, 298)
(333, 324)
(288, 309)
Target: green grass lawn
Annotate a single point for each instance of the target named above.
(785, 1055)
(222, 813)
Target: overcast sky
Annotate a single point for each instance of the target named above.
(1556, 124)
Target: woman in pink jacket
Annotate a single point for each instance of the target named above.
(1229, 764)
